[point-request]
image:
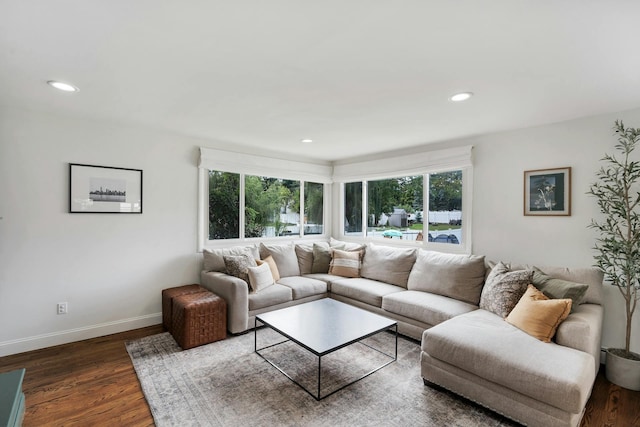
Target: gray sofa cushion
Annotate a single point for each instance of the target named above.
(485, 345)
(274, 294)
(321, 258)
(387, 264)
(456, 276)
(305, 258)
(284, 256)
(364, 290)
(303, 287)
(214, 258)
(592, 276)
(425, 307)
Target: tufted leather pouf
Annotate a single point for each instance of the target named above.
(167, 301)
(199, 318)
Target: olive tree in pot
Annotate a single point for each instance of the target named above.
(617, 247)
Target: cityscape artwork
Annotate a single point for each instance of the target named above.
(104, 189)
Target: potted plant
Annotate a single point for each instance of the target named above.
(618, 244)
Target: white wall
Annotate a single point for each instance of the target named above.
(502, 232)
(110, 268)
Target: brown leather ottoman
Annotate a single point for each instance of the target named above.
(167, 301)
(199, 318)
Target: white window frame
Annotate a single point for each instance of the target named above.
(248, 164)
(425, 163)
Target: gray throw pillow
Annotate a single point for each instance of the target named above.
(321, 258)
(503, 289)
(559, 289)
(238, 266)
(214, 258)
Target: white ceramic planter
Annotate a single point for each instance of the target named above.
(623, 372)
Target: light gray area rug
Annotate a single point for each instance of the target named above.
(226, 384)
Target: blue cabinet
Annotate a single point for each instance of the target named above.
(11, 398)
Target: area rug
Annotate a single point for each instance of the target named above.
(227, 384)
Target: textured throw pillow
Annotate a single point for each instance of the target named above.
(558, 288)
(260, 277)
(238, 266)
(345, 263)
(387, 264)
(284, 256)
(321, 258)
(214, 258)
(538, 315)
(503, 289)
(455, 276)
(305, 258)
(272, 266)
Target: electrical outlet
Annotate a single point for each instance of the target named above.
(63, 308)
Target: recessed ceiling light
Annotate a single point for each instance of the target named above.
(63, 86)
(462, 96)
(306, 141)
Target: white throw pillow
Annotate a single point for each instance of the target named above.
(260, 277)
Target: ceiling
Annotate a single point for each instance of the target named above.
(356, 76)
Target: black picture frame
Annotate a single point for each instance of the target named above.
(547, 192)
(104, 189)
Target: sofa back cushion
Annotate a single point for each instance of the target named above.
(321, 258)
(305, 258)
(456, 276)
(214, 258)
(284, 256)
(387, 264)
(591, 276)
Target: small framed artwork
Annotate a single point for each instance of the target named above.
(547, 192)
(104, 189)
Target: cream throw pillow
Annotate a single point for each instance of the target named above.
(538, 315)
(272, 266)
(260, 277)
(345, 263)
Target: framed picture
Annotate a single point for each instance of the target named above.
(547, 192)
(104, 189)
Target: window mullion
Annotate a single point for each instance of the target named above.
(242, 208)
(301, 215)
(365, 208)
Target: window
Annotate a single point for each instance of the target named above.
(224, 205)
(445, 207)
(272, 207)
(395, 208)
(352, 208)
(313, 208)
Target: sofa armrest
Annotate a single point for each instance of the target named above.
(235, 292)
(582, 330)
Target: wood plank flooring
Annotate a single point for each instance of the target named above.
(92, 383)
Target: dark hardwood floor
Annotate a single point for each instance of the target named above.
(92, 383)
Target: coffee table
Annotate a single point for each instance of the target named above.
(328, 325)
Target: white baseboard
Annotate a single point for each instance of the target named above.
(71, 335)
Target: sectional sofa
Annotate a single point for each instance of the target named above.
(456, 305)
